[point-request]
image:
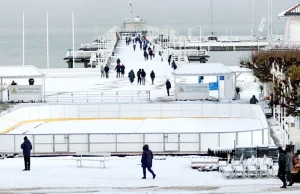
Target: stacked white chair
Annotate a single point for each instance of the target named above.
(228, 171)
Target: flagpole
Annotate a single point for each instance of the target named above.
(47, 41)
(73, 39)
(23, 39)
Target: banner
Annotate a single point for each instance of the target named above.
(23, 92)
(262, 25)
(192, 91)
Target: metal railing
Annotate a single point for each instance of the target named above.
(132, 142)
(98, 96)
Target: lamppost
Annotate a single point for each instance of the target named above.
(200, 34)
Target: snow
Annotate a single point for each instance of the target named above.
(176, 125)
(202, 69)
(123, 175)
(19, 71)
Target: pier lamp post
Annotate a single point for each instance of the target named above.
(200, 34)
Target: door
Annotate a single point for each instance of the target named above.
(171, 142)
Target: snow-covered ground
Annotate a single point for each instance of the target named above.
(175, 125)
(123, 175)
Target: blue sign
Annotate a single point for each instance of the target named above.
(213, 86)
(221, 77)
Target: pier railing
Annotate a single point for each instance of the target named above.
(98, 96)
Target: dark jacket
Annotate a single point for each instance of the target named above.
(145, 54)
(122, 69)
(106, 69)
(26, 147)
(253, 100)
(152, 74)
(282, 161)
(143, 74)
(169, 59)
(146, 157)
(118, 68)
(168, 84)
(118, 61)
(131, 76)
(138, 74)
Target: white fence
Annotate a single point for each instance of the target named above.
(179, 142)
(133, 143)
(99, 96)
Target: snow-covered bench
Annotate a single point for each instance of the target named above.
(94, 154)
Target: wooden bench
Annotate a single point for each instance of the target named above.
(94, 154)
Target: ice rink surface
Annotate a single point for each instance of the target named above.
(175, 125)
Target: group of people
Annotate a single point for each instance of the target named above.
(286, 161)
(141, 75)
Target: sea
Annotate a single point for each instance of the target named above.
(93, 17)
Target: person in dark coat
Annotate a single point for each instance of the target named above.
(289, 166)
(150, 53)
(131, 76)
(106, 70)
(26, 147)
(282, 166)
(13, 83)
(174, 66)
(169, 59)
(253, 100)
(143, 76)
(168, 86)
(146, 161)
(122, 70)
(31, 81)
(134, 46)
(118, 70)
(152, 75)
(145, 55)
(139, 76)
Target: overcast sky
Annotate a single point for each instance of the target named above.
(106, 13)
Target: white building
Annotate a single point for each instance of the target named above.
(292, 25)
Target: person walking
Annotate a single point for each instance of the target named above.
(282, 166)
(146, 161)
(106, 70)
(150, 53)
(174, 66)
(134, 46)
(102, 71)
(152, 75)
(139, 76)
(162, 56)
(143, 76)
(169, 59)
(26, 147)
(289, 166)
(145, 55)
(253, 100)
(118, 70)
(122, 70)
(131, 76)
(168, 86)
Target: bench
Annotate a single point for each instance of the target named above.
(94, 154)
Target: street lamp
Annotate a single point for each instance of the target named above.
(200, 34)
